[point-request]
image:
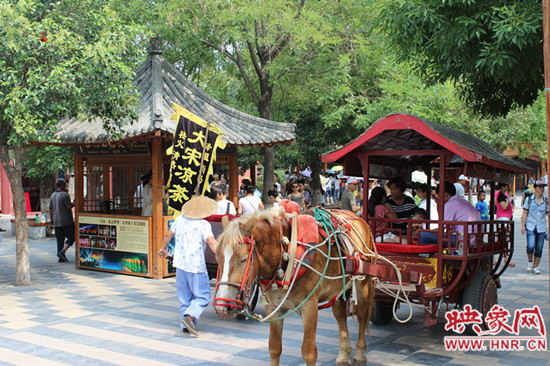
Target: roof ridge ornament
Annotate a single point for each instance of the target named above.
(155, 46)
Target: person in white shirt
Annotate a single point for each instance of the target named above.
(192, 235)
(422, 192)
(276, 183)
(459, 186)
(147, 209)
(225, 207)
(274, 197)
(249, 203)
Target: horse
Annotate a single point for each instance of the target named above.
(256, 244)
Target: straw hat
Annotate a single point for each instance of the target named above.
(199, 207)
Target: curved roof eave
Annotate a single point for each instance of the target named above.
(469, 148)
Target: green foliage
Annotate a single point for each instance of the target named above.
(491, 50)
(44, 161)
(63, 59)
(523, 129)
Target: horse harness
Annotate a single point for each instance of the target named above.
(278, 278)
(244, 286)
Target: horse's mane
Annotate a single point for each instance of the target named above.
(232, 234)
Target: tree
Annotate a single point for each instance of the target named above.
(44, 163)
(491, 50)
(72, 58)
(263, 41)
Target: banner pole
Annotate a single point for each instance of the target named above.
(201, 167)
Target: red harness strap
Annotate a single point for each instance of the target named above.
(245, 284)
(329, 304)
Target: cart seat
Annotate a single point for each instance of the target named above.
(406, 248)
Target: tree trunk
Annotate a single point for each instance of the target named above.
(14, 172)
(269, 152)
(269, 171)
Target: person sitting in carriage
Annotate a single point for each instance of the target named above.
(456, 209)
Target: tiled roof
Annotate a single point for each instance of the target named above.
(160, 84)
(404, 132)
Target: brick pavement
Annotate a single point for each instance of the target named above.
(75, 317)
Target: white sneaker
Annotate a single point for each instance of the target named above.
(536, 270)
(530, 267)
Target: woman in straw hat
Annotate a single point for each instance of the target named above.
(192, 234)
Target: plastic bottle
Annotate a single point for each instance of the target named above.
(37, 219)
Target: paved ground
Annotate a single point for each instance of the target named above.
(75, 317)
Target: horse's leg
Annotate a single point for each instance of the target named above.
(309, 313)
(275, 338)
(365, 298)
(339, 310)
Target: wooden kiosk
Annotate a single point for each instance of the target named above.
(112, 235)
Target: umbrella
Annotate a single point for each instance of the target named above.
(336, 168)
(419, 177)
(306, 173)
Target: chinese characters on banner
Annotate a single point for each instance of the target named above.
(190, 140)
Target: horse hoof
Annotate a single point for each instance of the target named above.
(358, 363)
(344, 363)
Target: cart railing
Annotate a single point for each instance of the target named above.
(462, 241)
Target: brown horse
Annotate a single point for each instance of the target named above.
(253, 245)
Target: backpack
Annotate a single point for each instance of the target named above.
(532, 197)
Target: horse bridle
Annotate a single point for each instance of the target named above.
(244, 287)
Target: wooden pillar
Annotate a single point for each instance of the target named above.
(492, 201)
(106, 186)
(443, 160)
(233, 179)
(546, 52)
(79, 183)
(157, 230)
(131, 188)
(78, 198)
(365, 164)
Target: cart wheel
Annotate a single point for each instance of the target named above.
(382, 313)
(481, 294)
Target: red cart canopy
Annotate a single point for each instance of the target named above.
(407, 142)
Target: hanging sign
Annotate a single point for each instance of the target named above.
(193, 154)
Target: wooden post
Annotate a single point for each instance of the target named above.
(106, 187)
(158, 230)
(366, 177)
(233, 179)
(78, 199)
(131, 188)
(546, 51)
(79, 183)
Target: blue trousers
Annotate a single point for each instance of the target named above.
(193, 293)
(431, 238)
(535, 242)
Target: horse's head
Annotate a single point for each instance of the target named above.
(239, 260)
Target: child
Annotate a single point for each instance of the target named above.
(378, 208)
(481, 206)
(419, 214)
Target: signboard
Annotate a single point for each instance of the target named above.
(137, 148)
(478, 170)
(114, 244)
